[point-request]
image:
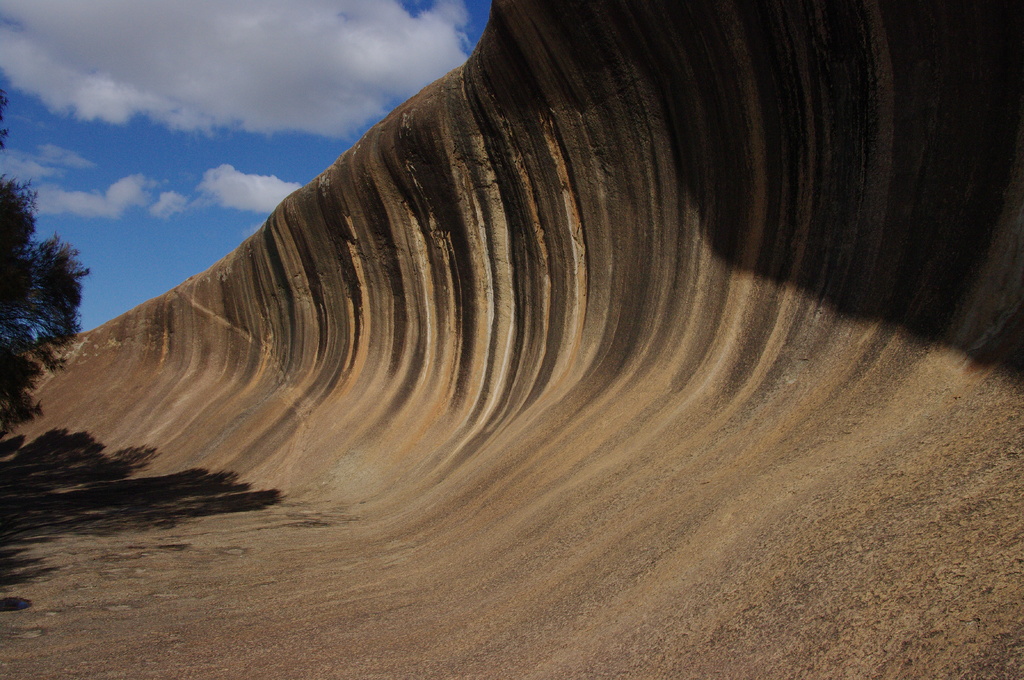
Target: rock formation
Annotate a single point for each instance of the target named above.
(664, 339)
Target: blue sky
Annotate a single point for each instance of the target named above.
(159, 134)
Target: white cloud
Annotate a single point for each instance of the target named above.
(323, 66)
(169, 203)
(25, 167)
(230, 188)
(48, 161)
(125, 193)
(65, 158)
(223, 186)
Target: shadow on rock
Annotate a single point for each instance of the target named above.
(65, 483)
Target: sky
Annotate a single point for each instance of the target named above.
(159, 134)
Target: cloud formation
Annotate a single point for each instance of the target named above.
(48, 161)
(230, 188)
(124, 193)
(169, 203)
(222, 186)
(322, 66)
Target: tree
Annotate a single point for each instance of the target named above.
(40, 290)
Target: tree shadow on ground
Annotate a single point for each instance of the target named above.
(65, 483)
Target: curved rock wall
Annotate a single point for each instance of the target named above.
(700, 321)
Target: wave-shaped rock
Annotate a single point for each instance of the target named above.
(665, 338)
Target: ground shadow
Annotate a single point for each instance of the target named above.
(66, 483)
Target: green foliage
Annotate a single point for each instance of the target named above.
(40, 290)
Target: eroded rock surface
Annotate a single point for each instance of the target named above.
(663, 339)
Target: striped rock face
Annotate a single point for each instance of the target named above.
(662, 339)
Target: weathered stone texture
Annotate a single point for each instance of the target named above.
(664, 339)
